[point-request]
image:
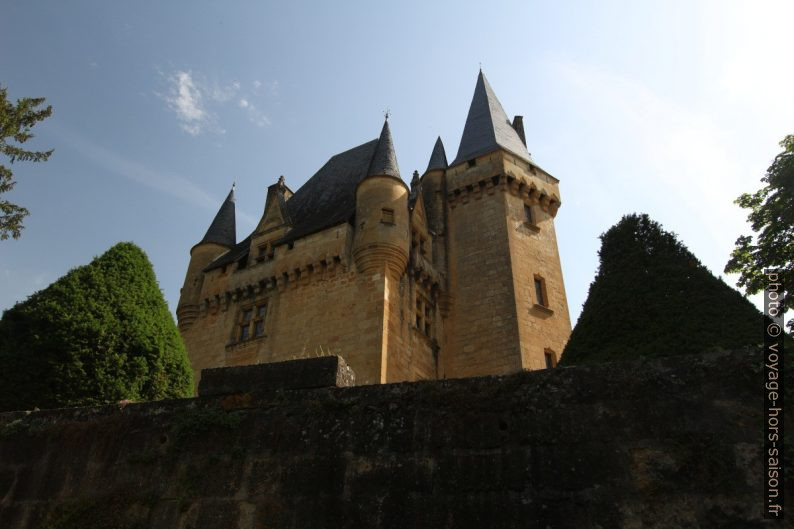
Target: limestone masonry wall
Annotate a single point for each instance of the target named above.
(655, 444)
(316, 304)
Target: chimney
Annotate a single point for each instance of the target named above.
(518, 125)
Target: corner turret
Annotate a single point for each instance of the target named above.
(219, 239)
(381, 239)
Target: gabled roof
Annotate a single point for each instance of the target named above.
(384, 163)
(223, 229)
(438, 160)
(487, 127)
(328, 198)
(276, 213)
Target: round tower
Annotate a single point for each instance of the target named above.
(219, 239)
(382, 237)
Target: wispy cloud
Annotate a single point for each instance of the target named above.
(186, 100)
(669, 152)
(224, 93)
(254, 114)
(165, 182)
(198, 103)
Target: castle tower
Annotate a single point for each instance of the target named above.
(433, 186)
(509, 309)
(380, 249)
(381, 240)
(220, 238)
(458, 275)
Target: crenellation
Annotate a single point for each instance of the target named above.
(435, 280)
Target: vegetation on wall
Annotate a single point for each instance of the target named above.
(101, 333)
(652, 297)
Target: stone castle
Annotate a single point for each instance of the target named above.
(457, 275)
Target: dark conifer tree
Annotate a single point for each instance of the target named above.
(652, 297)
(99, 334)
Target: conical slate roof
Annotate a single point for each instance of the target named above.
(438, 160)
(487, 127)
(223, 229)
(329, 197)
(385, 160)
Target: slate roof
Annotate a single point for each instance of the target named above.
(438, 160)
(487, 127)
(384, 163)
(223, 229)
(328, 198)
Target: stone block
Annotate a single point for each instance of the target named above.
(327, 371)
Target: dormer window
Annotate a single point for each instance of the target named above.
(261, 253)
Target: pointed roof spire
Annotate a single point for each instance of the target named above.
(487, 127)
(223, 229)
(384, 161)
(438, 160)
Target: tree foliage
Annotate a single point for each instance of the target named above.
(101, 333)
(771, 217)
(652, 297)
(16, 122)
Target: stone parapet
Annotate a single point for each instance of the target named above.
(322, 372)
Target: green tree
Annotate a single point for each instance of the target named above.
(16, 121)
(771, 217)
(652, 297)
(101, 333)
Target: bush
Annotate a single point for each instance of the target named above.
(652, 297)
(101, 333)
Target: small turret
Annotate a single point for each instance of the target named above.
(220, 238)
(438, 159)
(382, 225)
(433, 187)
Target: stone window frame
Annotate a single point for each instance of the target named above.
(530, 217)
(264, 252)
(250, 324)
(424, 314)
(541, 294)
(550, 358)
(387, 216)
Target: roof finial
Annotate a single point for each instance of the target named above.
(281, 180)
(386, 113)
(480, 67)
(234, 185)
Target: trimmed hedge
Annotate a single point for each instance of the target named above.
(101, 333)
(652, 297)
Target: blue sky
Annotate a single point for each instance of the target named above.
(671, 108)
